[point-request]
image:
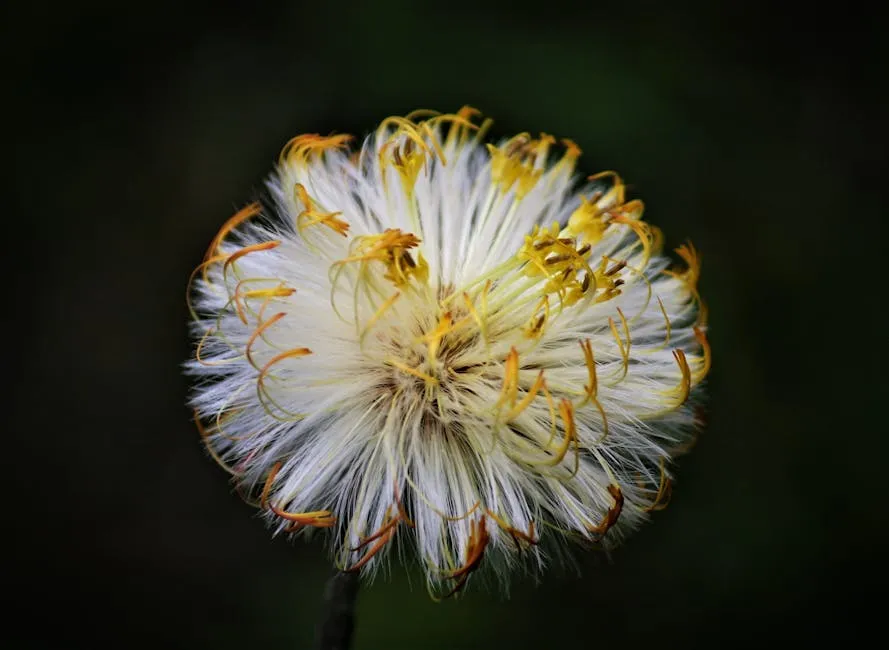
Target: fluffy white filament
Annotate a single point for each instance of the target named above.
(406, 352)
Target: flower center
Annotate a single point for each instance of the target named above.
(435, 354)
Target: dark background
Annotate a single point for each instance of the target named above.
(137, 128)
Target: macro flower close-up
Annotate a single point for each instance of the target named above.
(429, 347)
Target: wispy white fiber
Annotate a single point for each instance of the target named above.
(456, 350)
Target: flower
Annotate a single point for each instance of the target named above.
(447, 346)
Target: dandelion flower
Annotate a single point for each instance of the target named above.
(453, 348)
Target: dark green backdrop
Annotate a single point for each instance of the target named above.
(137, 129)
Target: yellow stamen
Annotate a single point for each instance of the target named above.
(257, 333)
(509, 393)
(405, 127)
(205, 435)
(413, 371)
(458, 517)
(515, 533)
(702, 372)
(407, 159)
(311, 215)
(482, 325)
(607, 284)
(276, 292)
(534, 329)
(551, 403)
(592, 389)
(642, 230)
(379, 313)
(264, 497)
(692, 273)
(616, 195)
(685, 383)
(613, 513)
(288, 354)
(240, 217)
(586, 222)
(663, 492)
(527, 399)
(200, 348)
(252, 248)
(382, 537)
(329, 219)
(434, 337)
(667, 325)
(316, 518)
(475, 551)
(513, 164)
(566, 410)
(460, 126)
(624, 350)
(301, 148)
(391, 248)
(691, 276)
(203, 266)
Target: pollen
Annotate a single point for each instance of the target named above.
(429, 342)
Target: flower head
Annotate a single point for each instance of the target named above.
(446, 345)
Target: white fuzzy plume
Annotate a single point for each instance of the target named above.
(447, 347)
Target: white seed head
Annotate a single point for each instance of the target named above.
(447, 347)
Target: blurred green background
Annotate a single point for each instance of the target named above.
(137, 129)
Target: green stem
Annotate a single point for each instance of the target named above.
(334, 631)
